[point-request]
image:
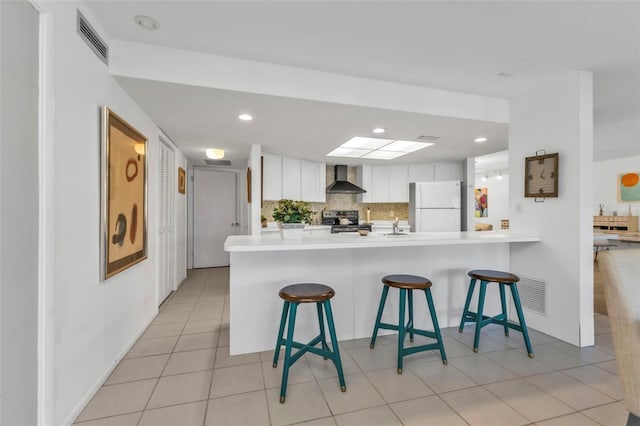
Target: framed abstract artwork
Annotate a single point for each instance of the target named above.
(124, 195)
(182, 180)
(628, 185)
(482, 202)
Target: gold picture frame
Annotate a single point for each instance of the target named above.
(123, 195)
(182, 180)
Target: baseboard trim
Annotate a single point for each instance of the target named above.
(75, 412)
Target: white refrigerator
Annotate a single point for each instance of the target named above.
(435, 206)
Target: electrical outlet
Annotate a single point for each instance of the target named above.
(391, 213)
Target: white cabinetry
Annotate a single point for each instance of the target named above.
(293, 178)
(421, 172)
(398, 184)
(447, 171)
(384, 184)
(390, 184)
(271, 177)
(313, 178)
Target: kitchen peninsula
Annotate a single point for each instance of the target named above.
(353, 265)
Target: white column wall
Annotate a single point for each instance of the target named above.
(255, 225)
(19, 213)
(92, 323)
(557, 116)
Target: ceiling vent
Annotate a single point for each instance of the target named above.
(217, 162)
(428, 138)
(91, 37)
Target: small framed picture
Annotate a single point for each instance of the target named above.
(504, 224)
(182, 180)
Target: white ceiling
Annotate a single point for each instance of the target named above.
(454, 45)
(197, 118)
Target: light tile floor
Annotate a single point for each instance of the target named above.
(180, 373)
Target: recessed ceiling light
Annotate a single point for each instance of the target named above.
(245, 117)
(146, 22)
(481, 139)
(214, 154)
(379, 130)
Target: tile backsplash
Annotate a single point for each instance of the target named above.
(379, 211)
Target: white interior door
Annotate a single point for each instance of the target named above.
(166, 234)
(214, 216)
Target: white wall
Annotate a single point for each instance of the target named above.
(557, 115)
(498, 199)
(605, 192)
(19, 213)
(93, 322)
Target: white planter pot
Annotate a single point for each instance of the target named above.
(291, 231)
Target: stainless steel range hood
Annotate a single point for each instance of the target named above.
(342, 185)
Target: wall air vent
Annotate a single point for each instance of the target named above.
(91, 37)
(533, 295)
(217, 162)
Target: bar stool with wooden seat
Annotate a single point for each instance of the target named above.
(293, 295)
(503, 279)
(406, 284)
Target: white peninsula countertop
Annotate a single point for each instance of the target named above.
(348, 240)
(353, 266)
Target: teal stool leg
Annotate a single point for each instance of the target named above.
(523, 324)
(287, 351)
(334, 343)
(503, 301)
(402, 331)
(323, 338)
(476, 339)
(383, 299)
(410, 315)
(283, 320)
(436, 326)
(465, 312)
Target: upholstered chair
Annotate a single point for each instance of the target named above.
(620, 271)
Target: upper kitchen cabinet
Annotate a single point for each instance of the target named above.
(271, 177)
(421, 172)
(313, 181)
(384, 184)
(447, 171)
(390, 184)
(293, 178)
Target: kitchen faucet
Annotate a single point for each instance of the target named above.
(395, 226)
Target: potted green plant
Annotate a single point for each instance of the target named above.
(263, 220)
(291, 216)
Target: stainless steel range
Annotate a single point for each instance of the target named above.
(343, 221)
